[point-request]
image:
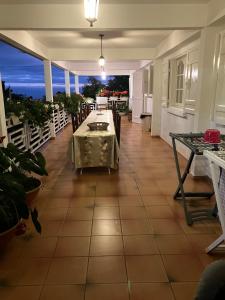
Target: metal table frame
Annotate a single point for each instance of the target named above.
(196, 149)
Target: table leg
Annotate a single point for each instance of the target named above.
(186, 171)
(181, 195)
(181, 180)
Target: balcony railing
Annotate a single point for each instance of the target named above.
(26, 136)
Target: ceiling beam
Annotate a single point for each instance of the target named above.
(108, 72)
(109, 54)
(111, 16)
(216, 12)
(174, 40)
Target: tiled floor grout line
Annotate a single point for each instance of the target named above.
(124, 256)
(51, 259)
(133, 172)
(89, 250)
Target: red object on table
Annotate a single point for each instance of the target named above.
(212, 136)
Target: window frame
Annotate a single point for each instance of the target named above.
(173, 80)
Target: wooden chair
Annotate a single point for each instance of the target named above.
(91, 106)
(75, 121)
(117, 122)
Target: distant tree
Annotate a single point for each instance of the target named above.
(119, 83)
(6, 91)
(9, 94)
(92, 87)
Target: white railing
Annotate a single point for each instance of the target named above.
(26, 136)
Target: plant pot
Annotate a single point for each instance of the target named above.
(7, 235)
(32, 194)
(129, 116)
(15, 120)
(122, 113)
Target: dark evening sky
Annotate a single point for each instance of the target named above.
(24, 73)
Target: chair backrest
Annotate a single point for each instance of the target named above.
(75, 121)
(117, 122)
(91, 106)
(102, 100)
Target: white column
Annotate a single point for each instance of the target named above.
(130, 90)
(77, 91)
(3, 128)
(206, 77)
(156, 102)
(49, 90)
(67, 82)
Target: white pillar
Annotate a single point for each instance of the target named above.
(130, 91)
(207, 77)
(3, 128)
(77, 91)
(157, 96)
(67, 82)
(49, 89)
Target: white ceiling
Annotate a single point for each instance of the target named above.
(112, 39)
(102, 1)
(115, 67)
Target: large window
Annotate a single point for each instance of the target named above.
(72, 83)
(21, 72)
(58, 80)
(180, 76)
(177, 75)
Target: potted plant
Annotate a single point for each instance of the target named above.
(13, 208)
(124, 96)
(35, 112)
(129, 115)
(122, 109)
(20, 164)
(72, 106)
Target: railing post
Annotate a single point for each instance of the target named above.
(49, 91)
(3, 128)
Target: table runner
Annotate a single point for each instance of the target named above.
(96, 148)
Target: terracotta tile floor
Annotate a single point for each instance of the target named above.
(114, 237)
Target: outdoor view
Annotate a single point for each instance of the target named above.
(23, 75)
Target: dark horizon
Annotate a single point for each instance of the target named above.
(24, 73)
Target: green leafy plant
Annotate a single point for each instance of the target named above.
(21, 163)
(123, 108)
(72, 104)
(15, 180)
(60, 99)
(35, 112)
(13, 205)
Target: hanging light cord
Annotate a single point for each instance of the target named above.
(101, 35)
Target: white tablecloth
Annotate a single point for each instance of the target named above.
(96, 148)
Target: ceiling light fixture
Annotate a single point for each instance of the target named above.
(101, 60)
(91, 11)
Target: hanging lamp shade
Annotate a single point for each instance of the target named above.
(101, 61)
(91, 10)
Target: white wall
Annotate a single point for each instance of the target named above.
(137, 99)
(175, 119)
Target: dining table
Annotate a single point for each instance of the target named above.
(96, 148)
